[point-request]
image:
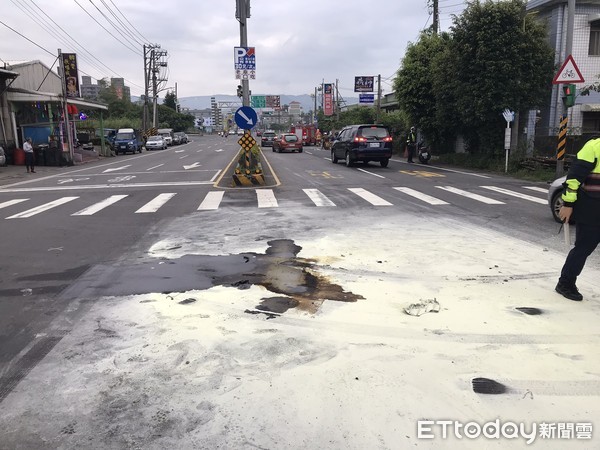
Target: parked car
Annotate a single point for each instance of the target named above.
(362, 143)
(266, 140)
(2, 157)
(127, 140)
(554, 197)
(240, 132)
(180, 138)
(287, 141)
(156, 142)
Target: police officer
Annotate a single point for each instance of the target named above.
(582, 204)
(411, 144)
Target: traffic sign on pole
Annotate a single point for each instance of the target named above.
(568, 73)
(246, 117)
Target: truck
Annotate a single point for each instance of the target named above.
(127, 140)
(167, 133)
(307, 133)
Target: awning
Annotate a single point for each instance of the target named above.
(590, 107)
(25, 95)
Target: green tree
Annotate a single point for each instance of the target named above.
(495, 57)
(170, 100)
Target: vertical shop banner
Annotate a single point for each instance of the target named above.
(71, 74)
(328, 99)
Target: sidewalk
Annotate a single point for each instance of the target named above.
(14, 174)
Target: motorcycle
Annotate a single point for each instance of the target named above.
(423, 153)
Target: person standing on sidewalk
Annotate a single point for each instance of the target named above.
(29, 156)
(411, 144)
(582, 203)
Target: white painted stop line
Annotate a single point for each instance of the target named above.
(479, 198)
(424, 197)
(42, 208)
(12, 202)
(154, 204)
(318, 197)
(541, 201)
(370, 197)
(266, 198)
(99, 206)
(211, 201)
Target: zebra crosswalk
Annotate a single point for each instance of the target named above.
(269, 198)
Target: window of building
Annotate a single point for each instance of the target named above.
(594, 49)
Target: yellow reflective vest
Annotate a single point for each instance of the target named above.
(582, 186)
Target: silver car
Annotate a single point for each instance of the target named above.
(156, 142)
(554, 196)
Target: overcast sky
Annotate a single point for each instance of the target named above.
(298, 43)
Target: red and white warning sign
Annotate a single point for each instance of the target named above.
(568, 73)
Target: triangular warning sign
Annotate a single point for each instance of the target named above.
(568, 73)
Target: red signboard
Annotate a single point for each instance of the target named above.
(328, 99)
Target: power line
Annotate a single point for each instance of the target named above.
(25, 37)
(122, 27)
(102, 26)
(127, 20)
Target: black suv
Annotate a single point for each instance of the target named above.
(267, 138)
(362, 143)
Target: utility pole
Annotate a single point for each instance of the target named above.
(146, 86)
(242, 13)
(378, 111)
(436, 16)
(562, 135)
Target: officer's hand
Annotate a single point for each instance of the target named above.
(565, 213)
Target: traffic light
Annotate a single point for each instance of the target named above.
(569, 95)
(240, 91)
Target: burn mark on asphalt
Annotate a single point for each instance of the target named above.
(292, 281)
(529, 311)
(488, 386)
(187, 301)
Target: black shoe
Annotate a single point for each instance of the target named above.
(569, 291)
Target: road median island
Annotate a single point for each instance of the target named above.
(247, 169)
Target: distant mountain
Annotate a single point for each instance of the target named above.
(203, 101)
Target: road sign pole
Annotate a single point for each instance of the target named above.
(244, 43)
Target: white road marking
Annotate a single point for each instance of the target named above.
(192, 166)
(121, 179)
(154, 204)
(117, 168)
(318, 197)
(184, 156)
(371, 198)
(536, 188)
(479, 198)
(99, 206)
(42, 208)
(424, 197)
(179, 151)
(370, 173)
(444, 169)
(12, 202)
(219, 150)
(216, 175)
(541, 201)
(266, 198)
(108, 186)
(211, 201)
(155, 167)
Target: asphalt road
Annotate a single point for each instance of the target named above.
(78, 242)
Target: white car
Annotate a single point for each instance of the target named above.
(554, 197)
(156, 142)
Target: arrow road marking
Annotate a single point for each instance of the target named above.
(70, 180)
(117, 168)
(192, 166)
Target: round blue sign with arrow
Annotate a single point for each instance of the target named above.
(246, 117)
